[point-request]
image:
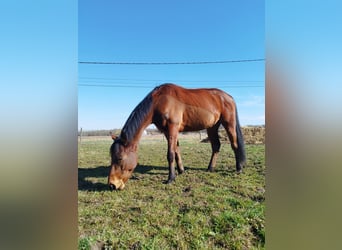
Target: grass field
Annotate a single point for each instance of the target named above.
(200, 210)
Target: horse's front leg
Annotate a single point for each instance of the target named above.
(179, 162)
(171, 153)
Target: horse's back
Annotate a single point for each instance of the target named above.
(191, 109)
(202, 97)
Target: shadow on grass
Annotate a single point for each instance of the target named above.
(86, 174)
(88, 177)
(161, 170)
(147, 169)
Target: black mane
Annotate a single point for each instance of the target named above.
(136, 118)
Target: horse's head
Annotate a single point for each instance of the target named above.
(124, 161)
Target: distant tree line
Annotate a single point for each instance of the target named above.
(249, 131)
(108, 132)
(102, 132)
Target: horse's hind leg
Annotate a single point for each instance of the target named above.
(233, 138)
(215, 146)
(179, 162)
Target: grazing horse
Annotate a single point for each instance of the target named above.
(174, 109)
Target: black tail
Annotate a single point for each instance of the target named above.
(240, 152)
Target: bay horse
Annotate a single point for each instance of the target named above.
(174, 109)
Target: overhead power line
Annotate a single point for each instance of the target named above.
(109, 79)
(175, 63)
(146, 86)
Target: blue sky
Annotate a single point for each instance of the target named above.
(167, 31)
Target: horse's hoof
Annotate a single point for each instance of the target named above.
(181, 171)
(169, 181)
(210, 170)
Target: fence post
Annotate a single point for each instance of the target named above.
(80, 135)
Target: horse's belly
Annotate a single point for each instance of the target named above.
(195, 119)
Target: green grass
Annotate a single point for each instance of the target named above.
(200, 210)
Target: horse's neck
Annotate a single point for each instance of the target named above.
(138, 120)
(140, 131)
(133, 143)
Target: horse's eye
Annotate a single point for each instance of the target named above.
(118, 157)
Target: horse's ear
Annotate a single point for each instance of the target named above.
(113, 136)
